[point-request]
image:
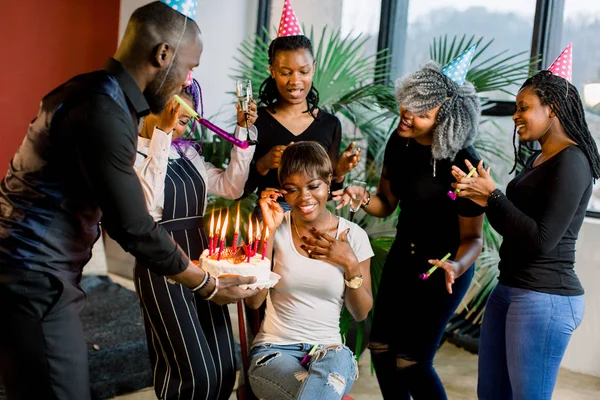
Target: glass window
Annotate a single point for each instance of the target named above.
(509, 23)
(360, 17)
(581, 27)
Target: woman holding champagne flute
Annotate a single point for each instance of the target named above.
(439, 117)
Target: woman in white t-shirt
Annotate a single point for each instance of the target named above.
(324, 263)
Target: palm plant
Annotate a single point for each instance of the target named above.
(349, 82)
(497, 72)
(354, 86)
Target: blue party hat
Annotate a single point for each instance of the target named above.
(186, 7)
(457, 69)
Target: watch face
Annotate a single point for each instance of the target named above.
(355, 282)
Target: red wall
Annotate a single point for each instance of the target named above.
(44, 43)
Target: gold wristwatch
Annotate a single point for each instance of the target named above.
(354, 282)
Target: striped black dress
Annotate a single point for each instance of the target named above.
(190, 340)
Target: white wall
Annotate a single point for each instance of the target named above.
(583, 353)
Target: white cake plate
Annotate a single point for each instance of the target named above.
(273, 279)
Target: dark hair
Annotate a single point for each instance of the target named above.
(268, 93)
(564, 100)
(309, 158)
(158, 18)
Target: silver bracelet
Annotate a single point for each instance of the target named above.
(215, 290)
(204, 282)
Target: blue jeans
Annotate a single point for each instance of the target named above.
(524, 337)
(275, 372)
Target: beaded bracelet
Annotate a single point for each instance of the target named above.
(204, 282)
(496, 193)
(215, 290)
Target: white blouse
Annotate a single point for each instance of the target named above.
(152, 169)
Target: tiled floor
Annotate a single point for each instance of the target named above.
(456, 367)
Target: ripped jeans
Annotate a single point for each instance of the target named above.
(275, 372)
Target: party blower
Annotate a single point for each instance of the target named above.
(424, 276)
(452, 194)
(202, 121)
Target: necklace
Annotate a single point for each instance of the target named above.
(298, 233)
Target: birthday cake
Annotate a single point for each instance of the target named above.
(236, 263)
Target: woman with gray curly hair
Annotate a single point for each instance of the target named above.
(439, 117)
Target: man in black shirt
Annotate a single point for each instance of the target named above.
(73, 170)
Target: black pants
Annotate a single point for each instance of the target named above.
(410, 317)
(43, 354)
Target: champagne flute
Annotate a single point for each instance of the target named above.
(356, 190)
(244, 93)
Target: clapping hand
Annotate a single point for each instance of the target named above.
(270, 160)
(347, 160)
(478, 187)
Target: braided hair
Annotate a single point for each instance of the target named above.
(457, 122)
(192, 92)
(564, 100)
(268, 93)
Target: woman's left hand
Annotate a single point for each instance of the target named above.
(347, 160)
(450, 268)
(251, 114)
(478, 187)
(325, 247)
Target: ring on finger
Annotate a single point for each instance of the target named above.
(309, 251)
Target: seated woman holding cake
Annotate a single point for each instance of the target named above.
(190, 339)
(324, 263)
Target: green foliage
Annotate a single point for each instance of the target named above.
(354, 86)
(496, 72)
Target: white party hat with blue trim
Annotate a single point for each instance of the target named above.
(457, 69)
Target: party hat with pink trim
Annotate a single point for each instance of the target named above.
(563, 64)
(288, 26)
(457, 69)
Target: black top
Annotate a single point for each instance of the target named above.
(428, 220)
(539, 219)
(325, 129)
(75, 168)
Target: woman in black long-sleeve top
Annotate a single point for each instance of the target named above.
(538, 302)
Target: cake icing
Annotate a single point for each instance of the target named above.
(236, 264)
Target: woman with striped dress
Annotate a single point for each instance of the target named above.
(190, 340)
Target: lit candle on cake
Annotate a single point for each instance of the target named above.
(258, 231)
(217, 232)
(250, 237)
(223, 234)
(265, 241)
(237, 229)
(212, 233)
